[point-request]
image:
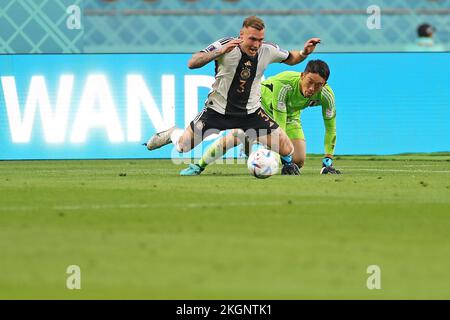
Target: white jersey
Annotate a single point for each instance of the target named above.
(236, 90)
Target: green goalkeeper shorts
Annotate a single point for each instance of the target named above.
(294, 130)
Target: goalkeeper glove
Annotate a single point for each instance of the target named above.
(289, 168)
(327, 167)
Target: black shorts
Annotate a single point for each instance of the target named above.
(256, 124)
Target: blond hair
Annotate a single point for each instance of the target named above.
(253, 22)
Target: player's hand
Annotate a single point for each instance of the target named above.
(327, 162)
(290, 169)
(231, 45)
(327, 167)
(310, 45)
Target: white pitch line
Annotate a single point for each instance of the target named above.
(396, 170)
(143, 206)
(165, 205)
(296, 202)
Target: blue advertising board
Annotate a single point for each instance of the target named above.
(91, 106)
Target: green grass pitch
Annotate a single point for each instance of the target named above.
(138, 230)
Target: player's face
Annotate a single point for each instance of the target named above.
(252, 40)
(311, 84)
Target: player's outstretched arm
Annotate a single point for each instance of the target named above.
(296, 56)
(330, 137)
(200, 59)
(330, 142)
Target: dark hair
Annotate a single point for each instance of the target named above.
(254, 22)
(318, 66)
(425, 30)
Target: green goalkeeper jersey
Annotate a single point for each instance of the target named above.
(282, 100)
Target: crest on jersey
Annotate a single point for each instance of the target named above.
(245, 73)
(248, 64)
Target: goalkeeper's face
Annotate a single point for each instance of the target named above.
(311, 83)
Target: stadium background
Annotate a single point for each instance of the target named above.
(387, 103)
(185, 26)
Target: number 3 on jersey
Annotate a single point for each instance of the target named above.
(241, 88)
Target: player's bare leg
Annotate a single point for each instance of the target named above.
(215, 151)
(187, 140)
(184, 141)
(278, 141)
(299, 155)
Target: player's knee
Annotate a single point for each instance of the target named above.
(299, 161)
(183, 145)
(286, 147)
(238, 136)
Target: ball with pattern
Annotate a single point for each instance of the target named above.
(263, 163)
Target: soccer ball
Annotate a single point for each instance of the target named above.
(263, 163)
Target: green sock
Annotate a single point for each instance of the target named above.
(214, 152)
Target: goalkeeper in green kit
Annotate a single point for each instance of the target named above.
(283, 97)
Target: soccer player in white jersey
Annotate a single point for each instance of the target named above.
(234, 100)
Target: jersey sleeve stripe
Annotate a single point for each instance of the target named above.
(329, 97)
(330, 111)
(217, 44)
(282, 96)
(225, 40)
